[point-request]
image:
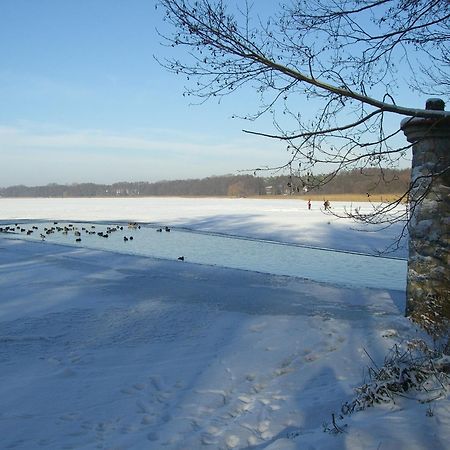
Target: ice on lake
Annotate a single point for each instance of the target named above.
(317, 264)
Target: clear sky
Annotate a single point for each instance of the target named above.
(82, 99)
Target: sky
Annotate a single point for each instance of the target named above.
(84, 100)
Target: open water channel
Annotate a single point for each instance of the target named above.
(322, 265)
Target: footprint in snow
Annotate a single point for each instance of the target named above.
(157, 382)
(310, 357)
(258, 327)
(232, 441)
(142, 407)
(153, 436)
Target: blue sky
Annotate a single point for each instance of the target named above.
(82, 99)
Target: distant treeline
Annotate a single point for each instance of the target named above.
(346, 182)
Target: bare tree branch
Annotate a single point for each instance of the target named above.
(342, 56)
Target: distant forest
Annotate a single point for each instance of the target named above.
(347, 182)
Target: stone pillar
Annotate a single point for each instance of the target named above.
(428, 284)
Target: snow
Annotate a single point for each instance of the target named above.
(115, 351)
(280, 220)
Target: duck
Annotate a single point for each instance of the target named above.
(181, 258)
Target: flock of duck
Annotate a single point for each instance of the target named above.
(77, 232)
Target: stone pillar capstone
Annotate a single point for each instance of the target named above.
(428, 283)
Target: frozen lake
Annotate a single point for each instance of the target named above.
(317, 264)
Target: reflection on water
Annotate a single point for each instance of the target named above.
(227, 251)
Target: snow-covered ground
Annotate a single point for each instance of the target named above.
(115, 351)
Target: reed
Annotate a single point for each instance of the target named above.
(386, 198)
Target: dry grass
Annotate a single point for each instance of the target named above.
(355, 197)
(337, 197)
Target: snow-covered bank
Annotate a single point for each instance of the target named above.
(102, 350)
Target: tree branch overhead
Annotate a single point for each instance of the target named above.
(347, 58)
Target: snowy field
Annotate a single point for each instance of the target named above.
(102, 350)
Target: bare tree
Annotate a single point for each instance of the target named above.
(345, 58)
